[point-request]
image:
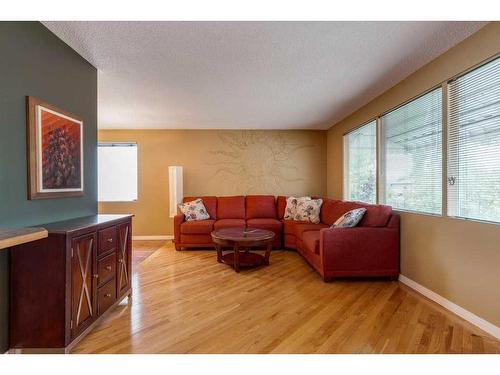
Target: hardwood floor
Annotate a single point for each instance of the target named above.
(143, 249)
(186, 302)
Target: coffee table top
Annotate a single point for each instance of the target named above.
(243, 234)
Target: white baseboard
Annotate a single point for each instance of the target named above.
(152, 238)
(454, 308)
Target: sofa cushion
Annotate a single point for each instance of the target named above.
(268, 224)
(229, 223)
(328, 213)
(209, 202)
(350, 219)
(194, 210)
(231, 207)
(289, 226)
(260, 206)
(302, 227)
(309, 211)
(377, 215)
(197, 227)
(310, 241)
(280, 206)
(291, 206)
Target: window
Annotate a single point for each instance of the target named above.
(411, 140)
(474, 144)
(360, 157)
(117, 164)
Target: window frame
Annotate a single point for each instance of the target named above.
(119, 144)
(444, 137)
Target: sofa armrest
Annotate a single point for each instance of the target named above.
(360, 248)
(178, 220)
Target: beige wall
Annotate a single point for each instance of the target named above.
(458, 259)
(219, 162)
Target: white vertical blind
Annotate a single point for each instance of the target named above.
(474, 144)
(360, 169)
(117, 172)
(411, 140)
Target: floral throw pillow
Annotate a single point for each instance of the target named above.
(291, 206)
(309, 210)
(194, 210)
(349, 219)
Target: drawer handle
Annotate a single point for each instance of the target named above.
(110, 240)
(120, 260)
(96, 276)
(108, 268)
(107, 295)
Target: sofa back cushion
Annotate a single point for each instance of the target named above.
(328, 214)
(231, 207)
(260, 206)
(209, 202)
(377, 215)
(280, 206)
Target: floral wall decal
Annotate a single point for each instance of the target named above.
(256, 161)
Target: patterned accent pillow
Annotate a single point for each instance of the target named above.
(291, 206)
(194, 210)
(349, 219)
(309, 210)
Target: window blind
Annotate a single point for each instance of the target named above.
(117, 172)
(474, 144)
(360, 158)
(411, 155)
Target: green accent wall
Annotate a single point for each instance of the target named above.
(35, 62)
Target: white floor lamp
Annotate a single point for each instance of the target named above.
(175, 188)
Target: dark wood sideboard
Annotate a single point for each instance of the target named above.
(62, 285)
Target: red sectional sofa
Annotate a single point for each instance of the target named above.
(370, 249)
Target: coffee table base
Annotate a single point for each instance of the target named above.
(245, 259)
(237, 258)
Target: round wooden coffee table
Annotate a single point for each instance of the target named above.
(241, 240)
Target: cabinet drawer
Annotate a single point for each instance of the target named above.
(106, 269)
(107, 240)
(106, 296)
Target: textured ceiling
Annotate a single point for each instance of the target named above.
(250, 75)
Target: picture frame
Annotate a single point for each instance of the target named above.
(54, 151)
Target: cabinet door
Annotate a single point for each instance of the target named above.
(124, 259)
(83, 283)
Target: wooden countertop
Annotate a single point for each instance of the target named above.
(16, 236)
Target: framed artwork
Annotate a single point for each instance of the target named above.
(55, 151)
